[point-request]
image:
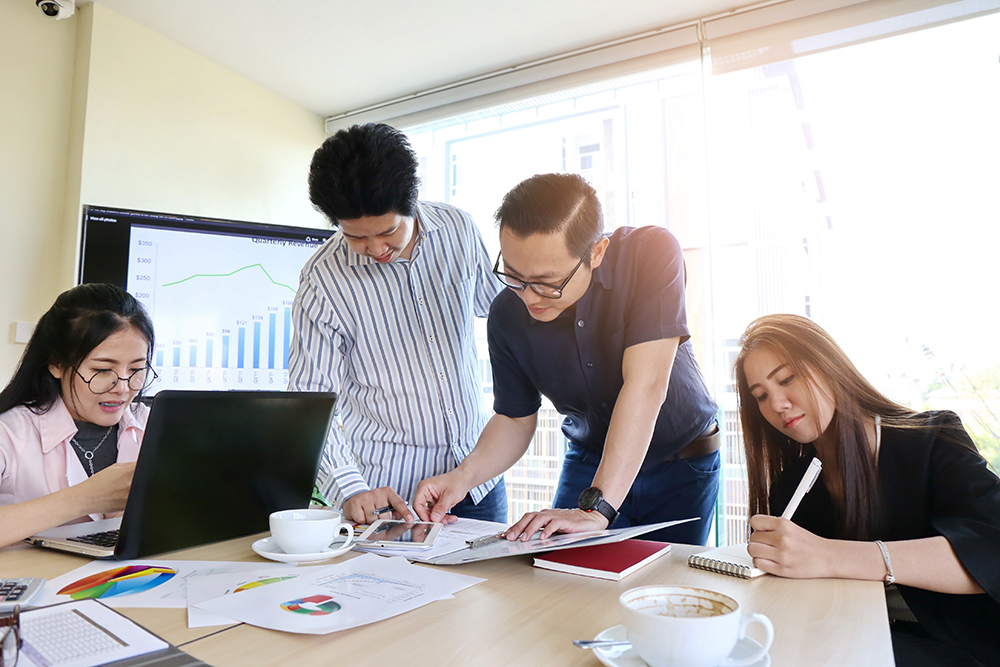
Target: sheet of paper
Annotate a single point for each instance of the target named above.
(201, 588)
(452, 538)
(83, 633)
(137, 583)
(356, 592)
(558, 541)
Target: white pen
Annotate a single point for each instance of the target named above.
(808, 479)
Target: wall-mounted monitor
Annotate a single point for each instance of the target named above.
(219, 291)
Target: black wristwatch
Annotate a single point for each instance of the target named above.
(593, 500)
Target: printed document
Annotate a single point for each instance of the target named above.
(137, 583)
(202, 588)
(355, 592)
(84, 633)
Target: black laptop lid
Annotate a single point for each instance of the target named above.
(214, 465)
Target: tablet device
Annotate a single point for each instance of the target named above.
(398, 534)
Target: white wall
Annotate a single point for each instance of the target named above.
(106, 112)
(36, 74)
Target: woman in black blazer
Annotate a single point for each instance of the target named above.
(904, 498)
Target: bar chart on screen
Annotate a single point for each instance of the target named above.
(221, 307)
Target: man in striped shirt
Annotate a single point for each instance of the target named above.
(384, 317)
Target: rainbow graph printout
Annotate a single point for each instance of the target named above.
(336, 597)
(204, 588)
(138, 583)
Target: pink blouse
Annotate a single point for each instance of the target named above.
(36, 457)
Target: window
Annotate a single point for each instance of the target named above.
(853, 185)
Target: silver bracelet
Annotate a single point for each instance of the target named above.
(890, 578)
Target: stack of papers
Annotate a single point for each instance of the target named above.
(453, 537)
(82, 633)
(452, 545)
(311, 600)
(154, 584)
(356, 592)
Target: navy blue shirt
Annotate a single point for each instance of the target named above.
(636, 295)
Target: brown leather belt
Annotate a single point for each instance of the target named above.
(706, 443)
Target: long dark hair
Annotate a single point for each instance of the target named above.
(810, 351)
(81, 319)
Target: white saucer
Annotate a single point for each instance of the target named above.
(625, 656)
(268, 548)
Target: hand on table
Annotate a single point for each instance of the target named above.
(556, 521)
(785, 549)
(360, 508)
(437, 495)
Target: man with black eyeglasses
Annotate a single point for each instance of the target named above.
(597, 324)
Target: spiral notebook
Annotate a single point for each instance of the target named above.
(732, 560)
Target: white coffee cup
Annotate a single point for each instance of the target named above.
(675, 626)
(309, 531)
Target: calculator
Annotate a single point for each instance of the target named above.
(18, 592)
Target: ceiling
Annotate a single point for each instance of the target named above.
(331, 56)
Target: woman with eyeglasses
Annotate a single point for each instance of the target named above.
(904, 497)
(69, 431)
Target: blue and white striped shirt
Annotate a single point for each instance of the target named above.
(396, 342)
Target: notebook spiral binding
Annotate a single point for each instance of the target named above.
(720, 566)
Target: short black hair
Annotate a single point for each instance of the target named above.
(364, 171)
(551, 203)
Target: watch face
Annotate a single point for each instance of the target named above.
(588, 499)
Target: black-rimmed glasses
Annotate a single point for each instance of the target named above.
(104, 381)
(10, 638)
(541, 289)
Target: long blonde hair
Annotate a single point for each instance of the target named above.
(809, 350)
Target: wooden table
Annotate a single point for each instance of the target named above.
(521, 615)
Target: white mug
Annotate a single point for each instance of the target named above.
(675, 626)
(309, 531)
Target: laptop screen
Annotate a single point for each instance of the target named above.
(214, 465)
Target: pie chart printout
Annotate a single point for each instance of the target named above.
(314, 605)
(118, 582)
(260, 582)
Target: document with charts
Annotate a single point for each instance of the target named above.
(210, 586)
(137, 583)
(83, 633)
(356, 592)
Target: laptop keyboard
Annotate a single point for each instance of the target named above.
(106, 539)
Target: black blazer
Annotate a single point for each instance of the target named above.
(930, 487)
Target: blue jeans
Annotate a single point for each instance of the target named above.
(668, 491)
(493, 506)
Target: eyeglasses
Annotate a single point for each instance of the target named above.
(104, 381)
(541, 289)
(10, 638)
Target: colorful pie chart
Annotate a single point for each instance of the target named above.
(118, 582)
(260, 582)
(314, 605)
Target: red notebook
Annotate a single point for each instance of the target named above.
(604, 561)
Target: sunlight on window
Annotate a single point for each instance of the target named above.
(854, 186)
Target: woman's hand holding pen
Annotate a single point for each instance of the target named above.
(783, 548)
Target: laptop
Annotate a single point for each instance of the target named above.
(213, 466)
